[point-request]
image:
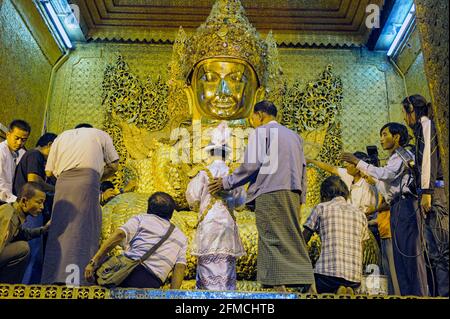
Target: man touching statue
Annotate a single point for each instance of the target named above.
(275, 167)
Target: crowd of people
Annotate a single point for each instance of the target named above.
(50, 217)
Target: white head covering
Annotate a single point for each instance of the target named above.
(220, 137)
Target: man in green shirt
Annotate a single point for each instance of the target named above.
(14, 248)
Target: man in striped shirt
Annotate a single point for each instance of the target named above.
(430, 184)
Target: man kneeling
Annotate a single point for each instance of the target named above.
(139, 235)
(14, 248)
(342, 229)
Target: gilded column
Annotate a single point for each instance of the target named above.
(432, 21)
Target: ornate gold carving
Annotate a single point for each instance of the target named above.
(52, 292)
(122, 207)
(143, 104)
(317, 105)
(149, 158)
(311, 111)
(59, 292)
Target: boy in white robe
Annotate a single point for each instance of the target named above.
(217, 243)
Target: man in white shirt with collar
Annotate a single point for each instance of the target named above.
(11, 151)
(79, 159)
(394, 182)
(362, 194)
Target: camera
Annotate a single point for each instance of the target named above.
(372, 152)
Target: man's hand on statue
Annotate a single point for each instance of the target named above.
(89, 273)
(131, 186)
(215, 186)
(425, 203)
(349, 158)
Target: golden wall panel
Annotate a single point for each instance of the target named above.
(411, 49)
(38, 27)
(371, 88)
(24, 73)
(410, 61)
(432, 21)
(416, 80)
(78, 86)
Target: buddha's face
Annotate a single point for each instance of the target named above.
(224, 88)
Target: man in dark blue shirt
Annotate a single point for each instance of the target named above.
(31, 168)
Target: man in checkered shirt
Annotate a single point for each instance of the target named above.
(342, 229)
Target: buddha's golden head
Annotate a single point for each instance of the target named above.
(224, 88)
(224, 63)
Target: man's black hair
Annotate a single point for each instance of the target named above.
(45, 139)
(420, 106)
(266, 107)
(21, 125)
(219, 152)
(29, 189)
(161, 204)
(397, 129)
(332, 187)
(105, 185)
(87, 125)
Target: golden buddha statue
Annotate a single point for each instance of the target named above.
(218, 73)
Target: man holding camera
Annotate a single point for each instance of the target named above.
(395, 182)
